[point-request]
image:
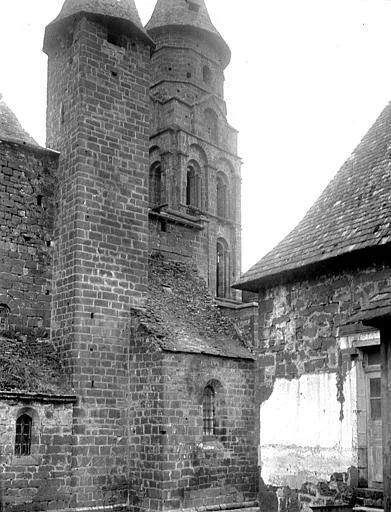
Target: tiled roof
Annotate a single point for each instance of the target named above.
(378, 307)
(180, 13)
(10, 128)
(181, 316)
(122, 13)
(32, 366)
(353, 213)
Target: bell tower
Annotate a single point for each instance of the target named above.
(194, 167)
(98, 118)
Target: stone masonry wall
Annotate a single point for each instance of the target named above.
(27, 205)
(303, 365)
(145, 420)
(98, 117)
(42, 480)
(198, 470)
(181, 56)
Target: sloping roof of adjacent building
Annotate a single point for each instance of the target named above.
(187, 14)
(181, 316)
(10, 128)
(32, 366)
(353, 212)
(120, 13)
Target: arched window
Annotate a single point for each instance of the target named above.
(24, 424)
(206, 74)
(209, 411)
(222, 270)
(4, 316)
(211, 124)
(156, 196)
(222, 195)
(193, 186)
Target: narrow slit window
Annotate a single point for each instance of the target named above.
(209, 412)
(23, 435)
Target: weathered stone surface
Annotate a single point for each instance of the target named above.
(27, 209)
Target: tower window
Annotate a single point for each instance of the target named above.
(156, 185)
(209, 411)
(206, 74)
(193, 186)
(222, 196)
(222, 270)
(211, 124)
(23, 426)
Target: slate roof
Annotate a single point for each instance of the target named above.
(181, 316)
(10, 128)
(378, 307)
(120, 13)
(353, 212)
(169, 13)
(32, 366)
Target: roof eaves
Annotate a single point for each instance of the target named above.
(28, 145)
(37, 397)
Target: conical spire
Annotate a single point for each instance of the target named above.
(187, 13)
(120, 14)
(10, 128)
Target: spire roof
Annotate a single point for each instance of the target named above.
(10, 127)
(352, 214)
(121, 14)
(187, 14)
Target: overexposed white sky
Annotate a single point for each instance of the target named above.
(306, 81)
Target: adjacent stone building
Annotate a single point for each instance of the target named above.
(318, 372)
(131, 388)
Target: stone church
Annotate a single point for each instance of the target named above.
(127, 369)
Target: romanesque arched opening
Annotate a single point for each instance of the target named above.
(222, 269)
(193, 185)
(156, 195)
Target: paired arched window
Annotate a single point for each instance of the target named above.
(23, 432)
(4, 317)
(222, 195)
(209, 411)
(222, 270)
(193, 185)
(156, 195)
(211, 125)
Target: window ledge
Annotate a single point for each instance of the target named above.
(179, 218)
